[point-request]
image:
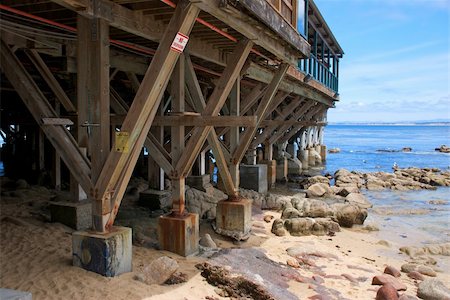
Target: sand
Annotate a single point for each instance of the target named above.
(36, 256)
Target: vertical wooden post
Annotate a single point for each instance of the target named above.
(235, 101)
(268, 151)
(177, 134)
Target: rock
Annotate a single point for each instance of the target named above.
(203, 203)
(207, 241)
(438, 202)
(443, 149)
(358, 199)
(22, 184)
(425, 270)
(392, 271)
(278, 227)
(433, 289)
(348, 214)
(345, 191)
(318, 190)
(309, 181)
(334, 150)
(177, 278)
(406, 149)
(268, 218)
(388, 279)
(308, 226)
(290, 213)
(159, 270)
(293, 263)
(387, 292)
(416, 275)
(409, 267)
(384, 243)
(312, 208)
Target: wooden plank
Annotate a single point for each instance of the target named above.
(235, 102)
(119, 165)
(240, 22)
(56, 121)
(215, 103)
(264, 12)
(39, 107)
(50, 80)
(290, 122)
(255, 94)
(249, 134)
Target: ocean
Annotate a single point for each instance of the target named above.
(404, 217)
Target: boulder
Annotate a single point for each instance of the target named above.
(406, 149)
(308, 226)
(290, 213)
(278, 227)
(387, 292)
(345, 191)
(203, 203)
(443, 149)
(359, 200)
(347, 214)
(318, 190)
(158, 271)
(433, 289)
(307, 182)
(334, 150)
(313, 208)
(207, 241)
(389, 279)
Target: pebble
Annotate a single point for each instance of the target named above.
(268, 218)
(207, 241)
(416, 275)
(293, 263)
(406, 268)
(426, 271)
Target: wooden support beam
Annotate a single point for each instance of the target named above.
(197, 121)
(37, 104)
(249, 134)
(47, 75)
(215, 103)
(240, 22)
(119, 165)
(220, 154)
(235, 101)
(270, 123)
(255, 94)
(56, 121)
(295, 116)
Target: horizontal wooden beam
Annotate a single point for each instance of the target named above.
(199, 121)
(266, 123)
(56, 121)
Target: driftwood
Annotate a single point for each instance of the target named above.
(235, 286)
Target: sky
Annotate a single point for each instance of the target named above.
(396, 61)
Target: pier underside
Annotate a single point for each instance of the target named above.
(95, 92)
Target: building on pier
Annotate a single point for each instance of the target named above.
(96, 91)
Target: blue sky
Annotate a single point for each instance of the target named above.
(396, 62)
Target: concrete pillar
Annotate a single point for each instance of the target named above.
(291, 150)
(304, 158)
(311, 157)
(271, 172)
(251, 157)
(318, 150)
(282, 169)
(254, 177)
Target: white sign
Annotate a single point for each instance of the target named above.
(179, 42)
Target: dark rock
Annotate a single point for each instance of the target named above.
(387, 292)
(433, 289)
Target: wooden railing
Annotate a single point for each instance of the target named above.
(317, 70)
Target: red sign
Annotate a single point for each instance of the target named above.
(179, 42)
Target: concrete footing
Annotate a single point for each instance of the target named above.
(76, 215)
(107, 254)
(179, 234)
(282, 170)
(254, 177)
(234, 218)
(8, 294)
(155, 199)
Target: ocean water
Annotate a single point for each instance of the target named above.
(404, 217)
(359, 145)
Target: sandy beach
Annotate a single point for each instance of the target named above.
(36, 256)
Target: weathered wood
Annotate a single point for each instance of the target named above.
(261, 74)
(50, 80)
(255, 94)
(197, 121)
(215, 103)
(56, 121)
(260, 113)
(119, 165)
(39, 107)
(240, 22)
(221, 155)
(235, 101)
(263, 11)
(289, 122)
